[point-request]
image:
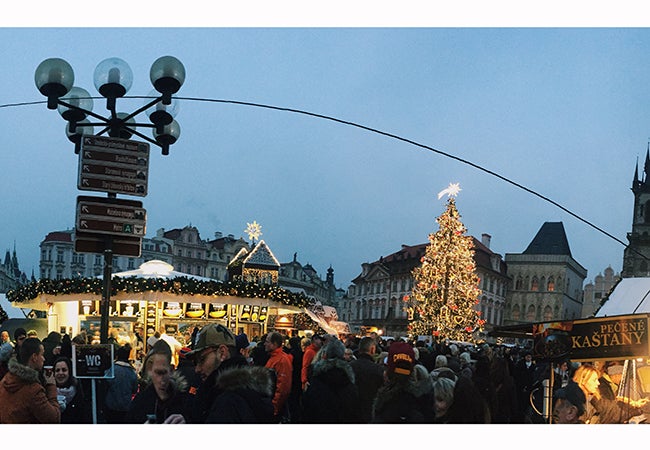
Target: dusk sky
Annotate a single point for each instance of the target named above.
(564, 112)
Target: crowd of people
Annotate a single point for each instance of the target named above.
(219, 377)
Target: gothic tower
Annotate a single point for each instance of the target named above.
(636, 257)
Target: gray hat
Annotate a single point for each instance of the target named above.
(212, 335)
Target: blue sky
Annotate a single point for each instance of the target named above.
(562, 111)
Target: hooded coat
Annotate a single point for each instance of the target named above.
(331, 396)
(405, 400)
(23, 399)
(246, 396)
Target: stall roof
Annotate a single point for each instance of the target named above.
(12, 311)
(629, 296)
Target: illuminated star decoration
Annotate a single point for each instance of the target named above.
(254, 230)
(452, 190)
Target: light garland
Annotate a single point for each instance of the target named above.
(177, 285)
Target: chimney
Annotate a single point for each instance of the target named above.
(485, 239)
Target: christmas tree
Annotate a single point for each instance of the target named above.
(446, 286)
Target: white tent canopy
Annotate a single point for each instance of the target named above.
(157, 269)
(630, 296)
(12, 311)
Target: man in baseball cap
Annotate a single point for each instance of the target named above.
(214, 352)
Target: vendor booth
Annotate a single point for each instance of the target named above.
(155, 296)
(616, 335)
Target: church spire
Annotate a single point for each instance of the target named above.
(646, 166)
(635, 182)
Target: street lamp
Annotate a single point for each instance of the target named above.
(113, 78)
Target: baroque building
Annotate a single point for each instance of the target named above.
(546, 280)
(183, 248)
(375, 299)
(298, 278)
(636, 256)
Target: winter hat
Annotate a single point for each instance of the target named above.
(616, 369)
(574, 395)
(401, 358)
(183, 352)
(241, 341)
(19, 332)
(212, 335)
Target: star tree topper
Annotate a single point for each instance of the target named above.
(254, 230)
(452, 190)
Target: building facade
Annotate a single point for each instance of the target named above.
(376, 297)
(298, 278)
(546, 280)
(596, 291)
(183, 248)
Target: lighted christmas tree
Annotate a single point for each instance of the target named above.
(446, 287)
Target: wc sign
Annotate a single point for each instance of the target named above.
(92, 361)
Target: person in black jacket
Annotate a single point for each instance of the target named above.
(165, 398)
(245, 395)
(368, 376)
(215, 351)
(407, 394)
(331, 396)
(293, 402)
(75, 407)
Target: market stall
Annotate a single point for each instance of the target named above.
(156, 296)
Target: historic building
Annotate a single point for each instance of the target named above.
(636, 256)
(10, 274)
(375, 299)
(298, 278)
(546, 280)
(596, 291)
(183, 248)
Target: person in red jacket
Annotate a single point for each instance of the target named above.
(281, 363)
(307, 358)
(23, 399)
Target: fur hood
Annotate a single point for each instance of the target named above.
(26, 375)
(323, 366)
(254, 378)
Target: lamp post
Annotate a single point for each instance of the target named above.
(113, 78)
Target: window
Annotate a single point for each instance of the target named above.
(548, 313)
(98, 260)
(515, 312)
(519, 284)
(530, 314)
(59, 256)
(534, 286)
(551, 284)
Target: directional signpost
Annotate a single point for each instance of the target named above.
(108, 225)
(112, 165)
(98, 217)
